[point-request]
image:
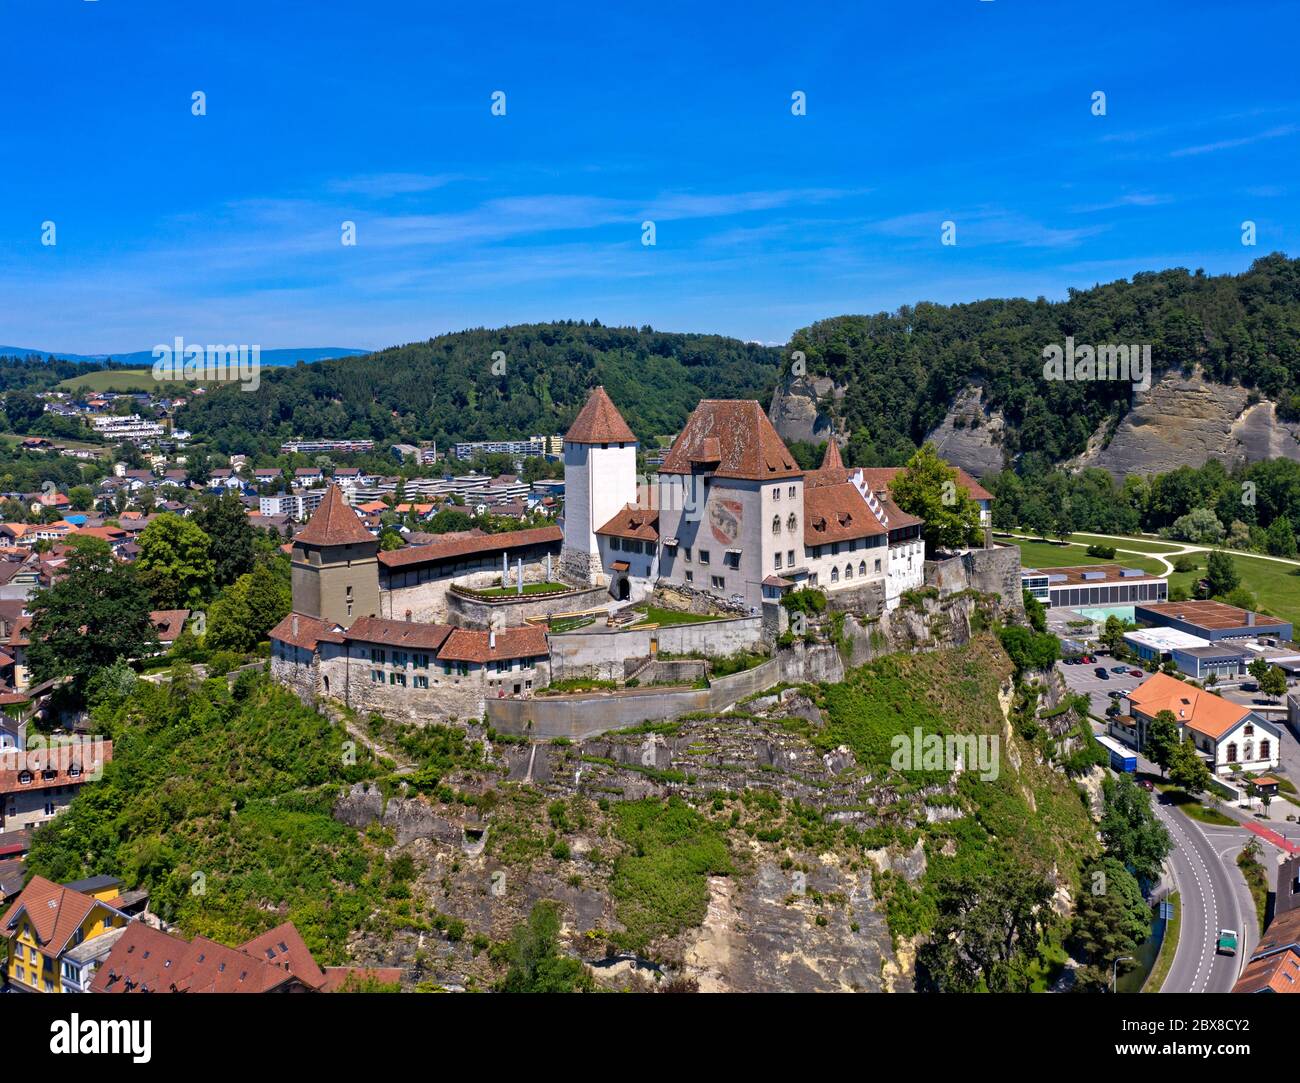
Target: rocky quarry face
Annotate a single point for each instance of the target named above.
(796, 412)
(1185, 421)
(970, 436)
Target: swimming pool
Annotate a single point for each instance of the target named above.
(1124, 612)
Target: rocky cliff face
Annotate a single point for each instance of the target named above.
(796, 408)
(970, 436)
(1186, 420)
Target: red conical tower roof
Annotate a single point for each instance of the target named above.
(334, 523)
(599, 422)
(832, 460)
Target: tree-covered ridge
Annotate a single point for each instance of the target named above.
(901, 370)
(452, 388)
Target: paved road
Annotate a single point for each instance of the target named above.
(1211, 899)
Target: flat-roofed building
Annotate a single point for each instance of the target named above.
(1213, 620)
(1193, 655)
(1094, 585)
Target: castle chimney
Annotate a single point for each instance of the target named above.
(1250, 619)
(295, 626)
(492, 639)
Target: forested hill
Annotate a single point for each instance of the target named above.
(900, 371)
(449, 388)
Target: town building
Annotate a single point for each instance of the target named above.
(1093, 585)
(147, 960)
(44, 924)
(1214, 621)
(1226, 734)
(1197, 657)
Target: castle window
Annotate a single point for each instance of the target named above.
(835, 575)
(1264, 749)
(848, 571)
(376, 676)
(792, 492)
(397, 678)
(719, 583)
(792, 522)
(704, 556)
(421, 682)
(776, 492)
(422, 662)
(690, 577)
(862, 567)
(776, 524)
(778, 560)
(877, 564)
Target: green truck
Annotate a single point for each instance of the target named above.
(1227, 942)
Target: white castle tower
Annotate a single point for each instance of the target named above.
(599, 481)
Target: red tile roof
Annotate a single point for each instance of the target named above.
(398, 633)
(465, 645)
(599, 422)
(334, 523)
(1202, 711)
(63, 765)
(300, 630)
(169, 623)
(56, 912)
(629, 522)
(343, 977)
(468, 546)
(1273, 974)
(147, 960)
(730, 438)
(834, 513)
(832, 460)
(284, 947)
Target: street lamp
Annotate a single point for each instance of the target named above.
(1113, 967)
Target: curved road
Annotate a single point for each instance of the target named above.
(1210, 901)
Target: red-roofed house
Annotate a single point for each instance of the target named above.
(46, 921)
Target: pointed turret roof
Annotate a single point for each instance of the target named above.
(599, 422)
(334, 523)
(831, 460)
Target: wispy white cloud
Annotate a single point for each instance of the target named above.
(1241, 141)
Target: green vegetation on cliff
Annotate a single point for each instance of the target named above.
(219, 803)
(901, 370)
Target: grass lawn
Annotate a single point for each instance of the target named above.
(123, 380)
(1276, 586)
(655, 615)
(529, 588)
(1193, 807)
(1037, 554)
(83, 445)
(1168, 949)
(1142, 545)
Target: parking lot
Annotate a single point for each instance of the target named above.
(1083, 679)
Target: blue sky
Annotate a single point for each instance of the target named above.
(226, 227)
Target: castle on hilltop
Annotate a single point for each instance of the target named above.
(731, 524)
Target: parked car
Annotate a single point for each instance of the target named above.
(1146, 784)
(1114, 693)
(1136, 673)
(1101, 672)
(1121, 670)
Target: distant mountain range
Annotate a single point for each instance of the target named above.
(144, 358)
